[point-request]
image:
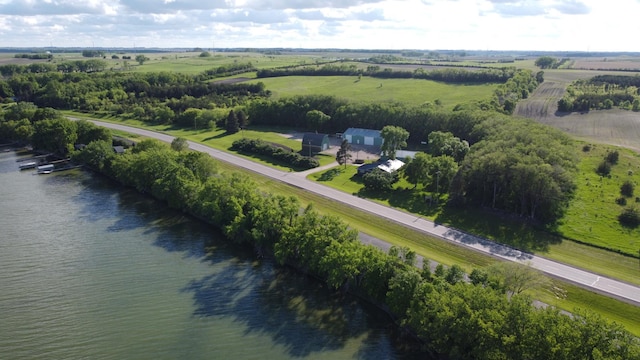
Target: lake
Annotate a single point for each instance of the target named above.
(95, 271)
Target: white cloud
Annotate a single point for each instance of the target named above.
(423, 24)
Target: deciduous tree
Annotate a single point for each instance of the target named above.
(394, 139)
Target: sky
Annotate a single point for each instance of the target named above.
(546, 25)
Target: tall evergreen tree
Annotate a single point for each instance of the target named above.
(343, 155)
(233, 125)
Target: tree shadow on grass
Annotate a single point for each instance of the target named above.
(411, 200)
(330, 174)
(515, 232)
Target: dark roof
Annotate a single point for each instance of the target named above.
(362, 132)
(314, 139)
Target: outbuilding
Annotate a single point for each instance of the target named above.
(357, 136)
(313, 143)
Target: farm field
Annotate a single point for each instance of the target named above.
(613, 127)
(366, 89)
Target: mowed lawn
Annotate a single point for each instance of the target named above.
(368, 89)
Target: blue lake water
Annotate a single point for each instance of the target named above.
(89, 270)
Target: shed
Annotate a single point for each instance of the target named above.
(118, 149)
(389, 166)
(313, 143)
(359, 136)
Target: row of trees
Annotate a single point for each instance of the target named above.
(602, 92)
(454, 318)
(341, 114)
(275, 152)
(71, 66)
(448, 75)
(36, 56)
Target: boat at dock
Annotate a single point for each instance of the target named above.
(45, 169)
(27, 165)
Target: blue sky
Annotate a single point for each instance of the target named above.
(553, 25)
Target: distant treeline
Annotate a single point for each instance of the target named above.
(38, 56)
(94, 65)
(227, 70)
(448, 75)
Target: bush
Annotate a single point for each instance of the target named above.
(630, 217)
(275, 151)
(612, 157)
(627, 189)
(379, 180)
(586, 148)
(621, 201)
(604, 168)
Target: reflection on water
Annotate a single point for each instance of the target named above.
(91, 270)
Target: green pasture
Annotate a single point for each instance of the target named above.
(192, 63)
(368, 89)
(592, 216)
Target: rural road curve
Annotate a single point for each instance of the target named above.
(614, 288)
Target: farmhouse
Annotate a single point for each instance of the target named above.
(358, 136)
(314, 143)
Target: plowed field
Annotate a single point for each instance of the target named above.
(614, 127)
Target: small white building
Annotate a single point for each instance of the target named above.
(391, 165)
(386, 166)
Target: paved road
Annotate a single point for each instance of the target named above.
(610, 287)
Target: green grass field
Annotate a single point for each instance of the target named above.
(592, 216)
(368, 89)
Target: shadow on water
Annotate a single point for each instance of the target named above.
(293, 310)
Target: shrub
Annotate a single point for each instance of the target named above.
(627, 189)
(630, 217)
(604, 168)
(275, 151)
(586, 148)
(612, 157)
(379, 180)
(621, 201)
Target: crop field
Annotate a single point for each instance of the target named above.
(617, 63)
(613, 127)
(367, 89)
